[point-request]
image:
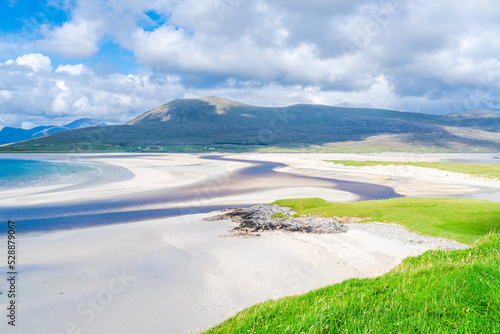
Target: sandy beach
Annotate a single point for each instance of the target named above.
(182, 274)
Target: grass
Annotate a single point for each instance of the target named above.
(485, 170)
(437, 292)
(107, 148)
(463, 220)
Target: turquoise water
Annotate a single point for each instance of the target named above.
(55, 216)
(18, 173)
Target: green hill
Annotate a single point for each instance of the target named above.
(225, 124)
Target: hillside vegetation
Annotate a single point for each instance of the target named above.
(223, 124)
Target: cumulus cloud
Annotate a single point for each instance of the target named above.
(75, 39)
(430, 53)
(36, 61)
(429, 56)
(60, 96)
(72, 69)
(379, 95)
(28, 94)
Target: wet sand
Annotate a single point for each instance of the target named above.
(171, 185)
(165, 274)
(177, 275)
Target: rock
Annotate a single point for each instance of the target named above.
(260, 218)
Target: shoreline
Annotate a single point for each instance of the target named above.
(178, 273)
(162, 186)
(97, 173)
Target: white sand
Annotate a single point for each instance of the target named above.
(172, 274)
(151, 172)
(178, 274)
(407, 180)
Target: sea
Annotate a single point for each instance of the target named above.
(18, 173)
(15, 173)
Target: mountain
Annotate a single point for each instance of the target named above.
(220, 123)
(13, 135)
(84, 123)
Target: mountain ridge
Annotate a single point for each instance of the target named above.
(12, 135)
(214, 121)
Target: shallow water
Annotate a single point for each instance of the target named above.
(15, 173)
(266, 171)
(259, 177)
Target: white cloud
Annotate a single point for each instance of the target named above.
(36, 61)
(5, 95)
(72, 69)
(46, 97)
(424, 56)
(62, 85)
(74, 39)
(431, 51)
(380, 95)
(28, 125)
(60, 104)
(82, 104)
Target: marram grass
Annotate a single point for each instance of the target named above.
(491, 171)
(460, 219)
(436, 292)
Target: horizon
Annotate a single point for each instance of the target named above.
(64, 60)
(218, 97)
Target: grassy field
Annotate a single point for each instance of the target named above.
(108, 148)
(485, 170)
(436, 292)
(464, 220)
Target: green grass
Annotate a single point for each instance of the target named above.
(437, 292)
(484, 170)
(136, 148)
(463, 220)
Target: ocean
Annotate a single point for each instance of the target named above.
(57, 216)
(15, 173)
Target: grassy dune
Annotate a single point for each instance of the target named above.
(485, 170)
(463, 220)
(437, 292)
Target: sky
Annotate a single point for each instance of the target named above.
(113, 60)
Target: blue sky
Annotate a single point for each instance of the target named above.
(16, 16)
(115, 59)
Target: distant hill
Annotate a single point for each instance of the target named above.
(221, 123)
(13, 135)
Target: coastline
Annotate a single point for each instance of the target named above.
(178, 273)
(162, 186)
(95, 173)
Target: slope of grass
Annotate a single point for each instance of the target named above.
(437, 292)
(463, 220)
(213, 121)
(485, 170)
